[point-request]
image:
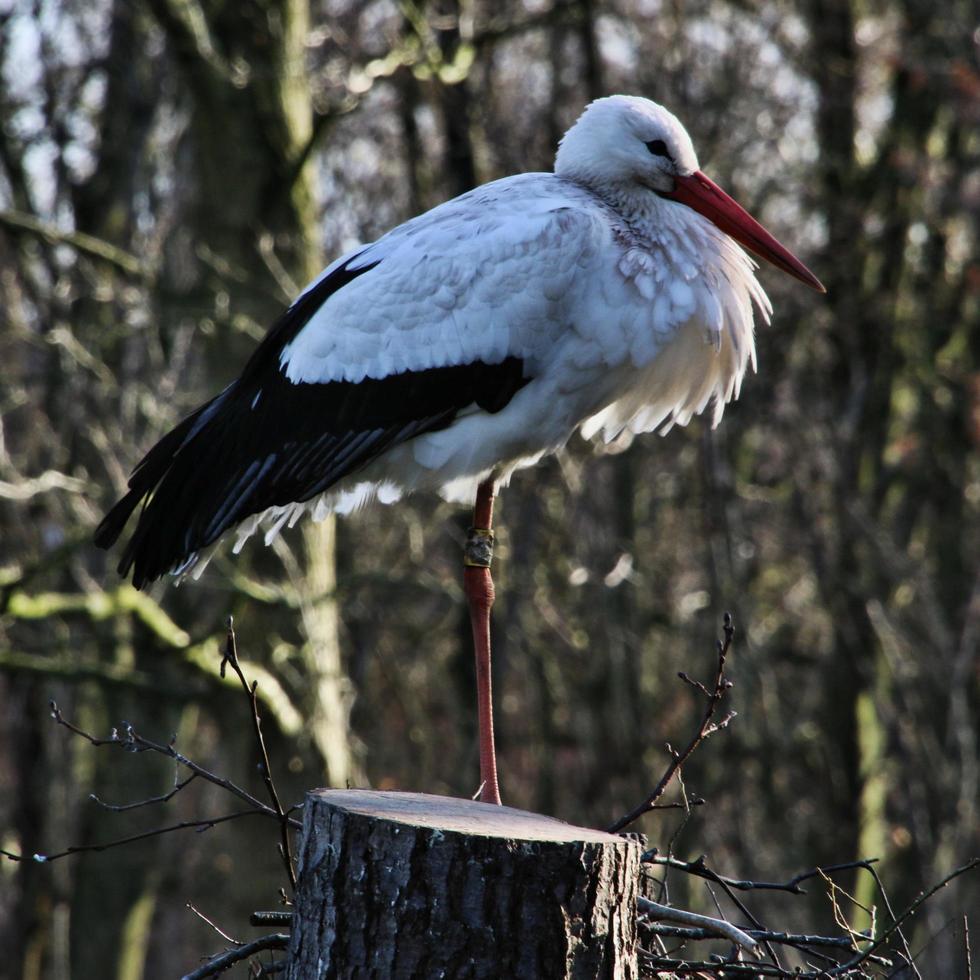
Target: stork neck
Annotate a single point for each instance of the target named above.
(631, 199)
(639, 207)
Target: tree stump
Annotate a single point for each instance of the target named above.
(405, 886)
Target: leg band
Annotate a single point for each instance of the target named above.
(478, 550)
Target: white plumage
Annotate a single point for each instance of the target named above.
(595, 298)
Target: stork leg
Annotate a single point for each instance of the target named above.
(478, 586)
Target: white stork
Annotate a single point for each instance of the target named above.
(468, 343)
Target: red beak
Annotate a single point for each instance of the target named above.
(707, 198)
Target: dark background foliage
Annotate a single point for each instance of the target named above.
(172, 170)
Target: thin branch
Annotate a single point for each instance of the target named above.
(718, 927)
(907, 952)
(288, 287)
(131, 741)
(221, 962)
(198, 825)
(731, 885)
(693, 801)
(28, 488)
(784, 938)
(224, 935)
(708, 727)
(852, 968)
(270, 918)
(699, 868)
(665, 965)
(231, 658)
(968, 956)
(910, 910)
(122, 807)
(840, 917)
(81, 242)
(186, 25)
(743, 908)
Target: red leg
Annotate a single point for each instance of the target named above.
(478, 586)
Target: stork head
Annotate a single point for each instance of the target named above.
(625, 146)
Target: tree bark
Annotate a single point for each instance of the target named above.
(410, 886)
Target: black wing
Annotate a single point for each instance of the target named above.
(266, 442)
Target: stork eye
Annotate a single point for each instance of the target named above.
(658, 148)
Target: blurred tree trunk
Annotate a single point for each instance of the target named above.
(456, 103)
(248, 232)
(253, 209)
(589, 41)
(868, 285)
(101, 921)
(834, 51)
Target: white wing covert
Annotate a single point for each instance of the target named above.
(485, 276)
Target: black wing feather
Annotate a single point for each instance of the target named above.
(266, 442)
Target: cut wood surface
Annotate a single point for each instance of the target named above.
(411, 886)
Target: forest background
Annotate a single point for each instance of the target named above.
(172, 171)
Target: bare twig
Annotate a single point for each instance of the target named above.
(966, 948)
(840, 917)
(906, 951)
(97, 247)
(699, 868)
(123, 807)
(223, 961)
(270, 918)
(130, 741)
(26, 489)
(231, 658)
(665, 965)
(851, 969)
(719, 927)
(693, 801)
(224, 935)
(910, 910)
(708, 727)
(783, 938)
(198, 825)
